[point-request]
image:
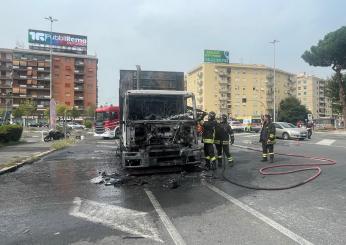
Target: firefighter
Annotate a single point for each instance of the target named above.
(208, 135)
(223, 135)
(267, 138)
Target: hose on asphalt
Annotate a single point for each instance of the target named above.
(316, 167)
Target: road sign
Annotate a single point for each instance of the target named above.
(52, 114)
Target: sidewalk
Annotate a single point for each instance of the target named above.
(338, 131)
(17, 155)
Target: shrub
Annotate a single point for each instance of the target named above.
(88, 124)
(10, 133)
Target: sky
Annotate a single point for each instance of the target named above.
(172, 34)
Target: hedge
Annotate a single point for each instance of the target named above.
(10, 133)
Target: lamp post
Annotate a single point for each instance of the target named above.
(51, 20)
(274, 46)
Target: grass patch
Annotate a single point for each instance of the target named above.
(61, 144)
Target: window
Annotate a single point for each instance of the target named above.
(243, 100)
(299, 88)
(304, 93)
(304, 87)
(67, 85)
(67, 103)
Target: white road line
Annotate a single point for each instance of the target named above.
(325, 142)
(260, 216)
(119, 218)
(176, 237)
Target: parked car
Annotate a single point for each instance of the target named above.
(74, 125)
(237, 126)
(287, 131)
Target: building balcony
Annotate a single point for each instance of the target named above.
(79, 107)
(223, 98)
(223, 81)
(5, 59)
(6, 68)
(43, 78)
(5, 85)
(78, 72)
(78, 89)
(37, 87)
(5, 76)
(79, 81)
(78, 98)
(79, 63)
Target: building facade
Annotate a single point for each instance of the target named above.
(311, 93)
(25, 74)
(239, 90)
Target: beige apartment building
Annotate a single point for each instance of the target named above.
(311, 93)
(239, 90)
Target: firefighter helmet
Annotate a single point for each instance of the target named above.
(224, 118)
(211, 115)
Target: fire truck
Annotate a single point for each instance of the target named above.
(107, 121)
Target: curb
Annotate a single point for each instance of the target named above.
(29, 160)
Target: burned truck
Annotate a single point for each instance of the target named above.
(157, 120)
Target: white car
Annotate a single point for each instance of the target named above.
(237, 126)
(74, 125)
(287, 131)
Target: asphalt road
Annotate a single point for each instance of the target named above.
(54, 202)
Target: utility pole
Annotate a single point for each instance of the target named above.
(51, 20)
(51, 103)
(274, 46)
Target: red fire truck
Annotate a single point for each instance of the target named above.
(107, 121)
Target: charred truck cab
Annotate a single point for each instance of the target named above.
(158, 127)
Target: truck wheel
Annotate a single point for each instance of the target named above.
(285, 136)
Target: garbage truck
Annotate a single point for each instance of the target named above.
(158, 124)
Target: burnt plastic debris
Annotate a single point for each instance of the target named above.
(172, 183)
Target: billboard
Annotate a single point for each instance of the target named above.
(37, 37)
(216, 56)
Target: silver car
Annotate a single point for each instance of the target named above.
(287, 131)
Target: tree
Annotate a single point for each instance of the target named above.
(331, 51)
(332, 92)
(17, 113)
(292, 111)
(61, 110)
(46, 114)
(28, 108)
(90, 111)
(74, 113)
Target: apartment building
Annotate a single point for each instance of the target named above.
(5, 78)
(25, 74)
(239, 90)
(311, 93)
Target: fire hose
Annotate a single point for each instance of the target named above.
(316, 167)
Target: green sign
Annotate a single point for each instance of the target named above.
(216, 56)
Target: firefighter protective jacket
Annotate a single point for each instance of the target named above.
(268, 133)
(223, 133)
(208, 134)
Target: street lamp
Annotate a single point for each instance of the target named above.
(274, 46)
(51, 20)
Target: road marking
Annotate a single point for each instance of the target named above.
(106, 142)
(176, 237)
(260, 216)
(325, 142)
(123, 219)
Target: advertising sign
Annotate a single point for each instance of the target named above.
(216, 56)
(58, 39)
